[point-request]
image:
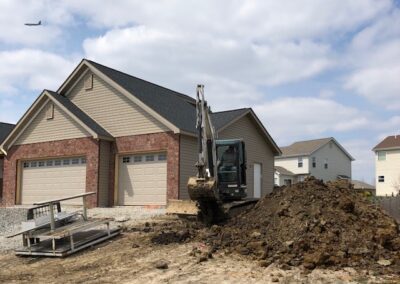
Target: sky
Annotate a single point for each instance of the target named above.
(309, 69)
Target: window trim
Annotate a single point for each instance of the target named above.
(381, 158)
(300, 162)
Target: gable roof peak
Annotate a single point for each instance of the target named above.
(390, 142)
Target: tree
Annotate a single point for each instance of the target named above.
(396, 186)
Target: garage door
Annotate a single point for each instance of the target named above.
(143, 179)
(52, 179)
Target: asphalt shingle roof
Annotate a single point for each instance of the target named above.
(82, 116)
(222, 118)
(388, 143)
(5, 129)
(304, 147)
(284, 171)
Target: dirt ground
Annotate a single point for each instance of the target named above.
(131, 258)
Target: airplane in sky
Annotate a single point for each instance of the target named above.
(33, 24)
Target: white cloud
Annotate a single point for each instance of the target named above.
(15, 13)
(375, 57)
(290, 119)
(32, 69)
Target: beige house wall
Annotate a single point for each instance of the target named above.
(291, 164)
(338, 163)
(390, 169)
(113, 110)
(60, 127)
(258, 151)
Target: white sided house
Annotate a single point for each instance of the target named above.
(387, 166)
(322, 158)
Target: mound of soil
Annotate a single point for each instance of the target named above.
(315, 225)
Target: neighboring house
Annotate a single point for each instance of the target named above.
(387, 166)
(323, 158)
(130, 141)
(5, 129)
(363, 186)
(284, 177)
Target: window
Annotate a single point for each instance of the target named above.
(26, 165)
(89, 82)
(126, 160)
(149, 158)
(50, 111)
(381, 156)
(75, 161)
(381, 178)
(326, 164)
(314, 162)
(41, 164)
(287, 182)
(57, 162)
(137, 159)
(49, 163)
(33, 164)
(300, 162)
(65, 162)
(83, 160)
(162, 157)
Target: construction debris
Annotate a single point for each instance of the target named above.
(312, 224)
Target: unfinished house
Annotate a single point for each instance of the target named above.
(130, 141)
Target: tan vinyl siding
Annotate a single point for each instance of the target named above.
(112, 110)
(104, 173)
(60, 127)
(188, 156)
(257, 149)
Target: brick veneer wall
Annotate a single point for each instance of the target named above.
(165, 141)
(72, 147)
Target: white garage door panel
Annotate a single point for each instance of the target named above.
(143, 182)
(53, 182)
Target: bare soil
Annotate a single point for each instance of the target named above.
(308, 233)
(312, 224)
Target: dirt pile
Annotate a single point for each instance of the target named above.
(315, 225)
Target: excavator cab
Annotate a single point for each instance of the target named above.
(231, 169)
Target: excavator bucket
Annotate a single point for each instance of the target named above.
(181, 207)
(202, 189)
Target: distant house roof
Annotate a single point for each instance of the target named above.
(306, 148)
(283, 171)
(390, 142)
(5, 129)
(361, 185)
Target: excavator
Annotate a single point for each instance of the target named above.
(219, 188)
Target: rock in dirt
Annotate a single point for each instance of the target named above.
(161, 264)
(384, 262)
(121, 219)
(313, 224)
